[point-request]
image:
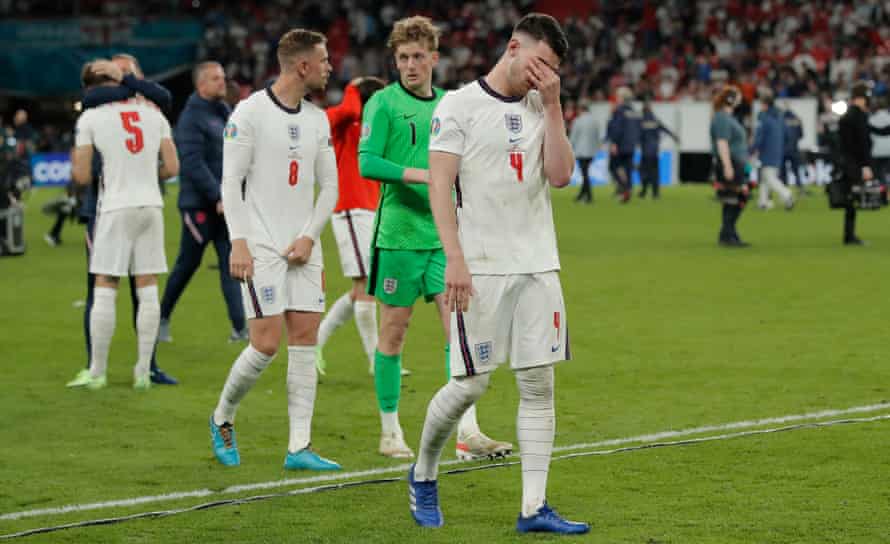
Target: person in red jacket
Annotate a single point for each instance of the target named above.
(353, 220)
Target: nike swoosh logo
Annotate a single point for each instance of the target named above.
(554, 349)
(406, 116)
(514, 140)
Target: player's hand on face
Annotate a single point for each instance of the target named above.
(108, 69)
(545, 80)
(240, 261)
(299, 251)
(458, 285)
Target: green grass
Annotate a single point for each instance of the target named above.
(669, 331)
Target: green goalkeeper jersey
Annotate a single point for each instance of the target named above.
(395, 130)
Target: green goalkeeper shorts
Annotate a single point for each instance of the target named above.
(399, 276)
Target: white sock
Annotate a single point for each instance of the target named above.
(302, 377)
(389, 423)
(247, 368)
(468, 423)
(535, 427)
(102, 320)
(366, 322)
(442, 416)
(339, 313)
(148, 318)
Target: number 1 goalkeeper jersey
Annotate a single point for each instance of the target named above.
(396, 127)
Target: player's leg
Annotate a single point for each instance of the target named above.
(397, 281)
(471, 443)
(366, 320)
(539, 340)
(770, 176)
(230, 288)
(157, 375)
(83, 376)
(102, 322)
(148, 317)
(192, 242)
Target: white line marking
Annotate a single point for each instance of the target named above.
(646, 438)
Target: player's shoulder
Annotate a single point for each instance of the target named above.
(312, 110)
(250, 103)
(466, 93)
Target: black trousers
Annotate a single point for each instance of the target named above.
(621, 166)
(199, 228)
(849, 223)
(731, 214)
(733, 203)
(649, 174)
(586, 193)
(791, 163)
(91, 285)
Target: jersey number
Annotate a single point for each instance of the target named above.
(413, 133)
(136, 143)
(516, 164)
(294, 172)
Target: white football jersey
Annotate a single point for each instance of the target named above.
(504, 215)
(282, 153)
(128, 135)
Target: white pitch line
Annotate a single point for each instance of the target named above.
(332, 477)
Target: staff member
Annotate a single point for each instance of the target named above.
(650, 138)
(791, 160)
(199, 138)
(769, 146)
(728, 144)
(624, 134)
(585, 140)
(854, 136)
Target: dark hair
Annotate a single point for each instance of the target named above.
(89, 78)
(543, 27)
(199, 68)
(368, 86)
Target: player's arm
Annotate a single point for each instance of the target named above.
(559, 161)
(82, 164)
(348, 110)
(326, 176)
(129, 86)
(375, 132)
(237, 158)
(668, 131)
(82, 154)
(169, 160)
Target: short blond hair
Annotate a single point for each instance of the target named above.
(296, 42)
(414, 29)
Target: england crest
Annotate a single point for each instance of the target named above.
(268, 294)
(294, 132)
(390, 285)
(514, 122)
(483, 352)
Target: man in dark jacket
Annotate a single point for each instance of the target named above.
(791, 160)
(125, 70)
(650, 138)
(854, 135)
(199, 139)
(623, 134)
(769, 147)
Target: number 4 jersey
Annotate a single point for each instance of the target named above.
(280, 154)
(504, 214)
(128, 135)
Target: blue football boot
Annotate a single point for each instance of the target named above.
(424, 497)
(546, 520)
(306, 459)
(224, 446)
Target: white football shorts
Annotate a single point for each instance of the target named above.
(517, 317)
(353, 230)
(277, 287)
(129, 241)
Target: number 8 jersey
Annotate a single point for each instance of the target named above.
(128, 135)
(505, 218)
(280, 153)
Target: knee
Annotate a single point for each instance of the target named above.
(265, 342)
(392, 336)
(473, 387)
(535, 383)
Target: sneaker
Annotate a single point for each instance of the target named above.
(142, 383)
(97, 383)
(234, 336)
(766, 207)
(81, 380)
(789, 204)
(160, 377)
(546, 520)
(854, 241)
(478, 446)
(164, 331)
(306, 459)
(222, 437)
(51, 240)
(393, 445)
(424, 501)
(320, 363)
